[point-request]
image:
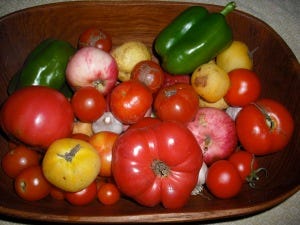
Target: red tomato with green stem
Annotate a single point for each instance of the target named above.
(108, 194)
(83, 197)
(178, 102)
(247, 166)
(31, 184)
(88, 104)
(157, 164)
(95, 37)
(245, 87)
(149, 73)
(264, 127)
(130, 101)
(18, 159)
(223, 179)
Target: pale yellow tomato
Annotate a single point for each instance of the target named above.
(71, 164)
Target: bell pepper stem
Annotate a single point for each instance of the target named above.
(228, 8)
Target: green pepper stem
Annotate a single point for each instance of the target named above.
(228, 8)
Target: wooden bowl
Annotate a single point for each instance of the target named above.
(277, 66)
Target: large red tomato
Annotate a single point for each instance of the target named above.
(264, 127)
(158, 163)
(37, 116)
(178, 102)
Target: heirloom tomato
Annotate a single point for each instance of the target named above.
(264, 127)
(130, 101)
(37, 116)
(156, 164)
(178, 102)
(71, 164)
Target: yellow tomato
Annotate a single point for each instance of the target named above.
(71, 164)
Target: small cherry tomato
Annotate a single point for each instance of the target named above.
(264, 127)
(95, 37)
(108, 194)
(178, 102)
(31, 184)
(83, 197)
(149, 73)
(245, 87)
(88, 104)
(18, 159)
(245, 163)
(130, 101)
(57, 193)
(223, 179)
(170, 79)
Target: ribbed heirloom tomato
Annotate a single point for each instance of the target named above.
(157, 163)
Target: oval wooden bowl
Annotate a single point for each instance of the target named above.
(277, 66)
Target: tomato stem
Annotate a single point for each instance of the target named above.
(68, 156)
(160, 168)
(253, 176)
(269, 120)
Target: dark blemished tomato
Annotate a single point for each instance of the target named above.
(178, 102)
(264, 127)
(245, 87)
(130, 101)
(88, 104)
(108, 194)
(95, 37)
(174, 79)
(83, 197)
(149, 73)
(245, 162)
(37, 116)
(31, 184)
(223, 179)
(18, 159)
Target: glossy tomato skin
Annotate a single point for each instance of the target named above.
(108, 194)
(156, 164)
(149, 73)
(174, 79)
(103, 142)
(245, 87)
(37, 116)
(130, 101)
(223, 179)
(18, 159)
(178, 102)
(245, 162)
(84, 196)
(264, 127)
(88, 104)
(95, 37)
(31, 184)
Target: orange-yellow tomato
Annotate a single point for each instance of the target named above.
(71, 164)
(103, 142)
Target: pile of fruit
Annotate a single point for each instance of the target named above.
(102, 121)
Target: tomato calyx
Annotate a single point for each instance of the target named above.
(160, 168)
(68, 156)
(253, 177)
(171, 92)
(269, 121)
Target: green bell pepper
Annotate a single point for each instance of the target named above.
(193, 38)
(45, 66)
